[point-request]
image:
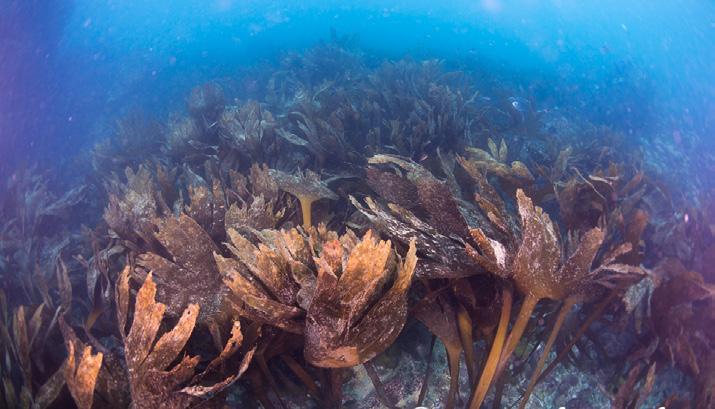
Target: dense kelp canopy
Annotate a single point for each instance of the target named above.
(269, 243)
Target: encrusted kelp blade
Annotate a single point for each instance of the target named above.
(21, 341)
(335, 336)
(155, 377)
(441, 257)
(187, 242)
(81, 374)
(576, 270)
(207, 206)
(140, 339)
(167, 348)
(150, 385)
(384, 321)
(121, 296)
(493, 256)
(262, 183)
(364, 275)
(444, 238)
(262, 287)
(191, 275)
(392, 187)
(231, 347)
(133, 206)
(433, 195)
(249, 129)
(257, 215)
(148, 315)
(539, 254)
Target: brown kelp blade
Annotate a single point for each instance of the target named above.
(156, 378)
(341, 330)
(81, 374)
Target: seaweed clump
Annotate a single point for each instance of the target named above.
(347, 296)
(153, 383)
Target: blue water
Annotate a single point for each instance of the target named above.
(70, 68)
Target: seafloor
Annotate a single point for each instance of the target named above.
(336, 230)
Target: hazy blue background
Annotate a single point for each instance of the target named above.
(67, 67)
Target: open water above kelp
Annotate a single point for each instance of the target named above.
(250, 204)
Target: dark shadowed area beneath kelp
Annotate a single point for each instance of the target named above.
(343, 233)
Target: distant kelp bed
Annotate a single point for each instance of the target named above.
(260, 252)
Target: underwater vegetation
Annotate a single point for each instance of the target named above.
(259, 252)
